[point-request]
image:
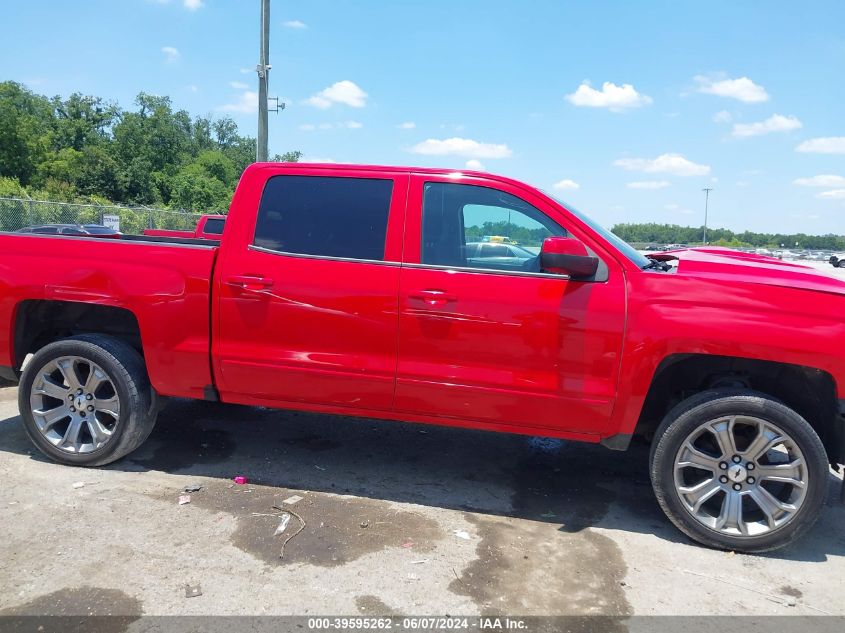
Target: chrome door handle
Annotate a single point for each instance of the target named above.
(433, 297)
(249, 282)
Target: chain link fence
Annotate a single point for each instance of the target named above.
(17, 213)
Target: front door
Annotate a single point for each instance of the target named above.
(484, 334)
(308, 302)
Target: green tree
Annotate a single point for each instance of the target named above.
(25, 120)
(81, 121)
(195, 190)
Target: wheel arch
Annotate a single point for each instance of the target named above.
(38, 322)
(811, 392)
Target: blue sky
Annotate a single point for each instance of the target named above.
(629, 108)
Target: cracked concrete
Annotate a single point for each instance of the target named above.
(554, 528)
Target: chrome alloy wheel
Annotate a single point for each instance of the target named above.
(741, 476)
(75, 404)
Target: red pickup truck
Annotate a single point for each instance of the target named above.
(349, 290)
(209, 227)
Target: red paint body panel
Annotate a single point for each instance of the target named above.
(166, 287)
(529, 349)
(324, 331)
(397, 339)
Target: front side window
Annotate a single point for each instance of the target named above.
(324, 216)
(479, 227)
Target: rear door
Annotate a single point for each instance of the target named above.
(308, 307)
(485, 335)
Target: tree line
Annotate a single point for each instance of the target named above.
(85, 149)
(651, 233)
(519, 234)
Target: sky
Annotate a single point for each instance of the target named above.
(626, 110)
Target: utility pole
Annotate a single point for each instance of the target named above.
(706, 191)
(263, 69)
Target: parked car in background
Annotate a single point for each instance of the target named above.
(86, 230)
(498, 239)
(837, 260)
(502, 255)
(209, 227)
(349, 290)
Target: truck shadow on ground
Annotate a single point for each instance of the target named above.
(572, 485)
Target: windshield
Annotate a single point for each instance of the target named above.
(626, 249)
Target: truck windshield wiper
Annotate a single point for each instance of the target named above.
(655, 264)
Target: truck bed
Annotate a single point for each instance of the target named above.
(165, 283)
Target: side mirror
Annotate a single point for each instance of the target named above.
(567, 256)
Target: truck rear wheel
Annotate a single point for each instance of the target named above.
(86, 400)
(737, 470)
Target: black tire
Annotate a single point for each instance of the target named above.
(688, 416)
(841, 263)
(126, 369)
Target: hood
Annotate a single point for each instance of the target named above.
(725, 264)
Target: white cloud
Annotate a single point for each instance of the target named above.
(614, 98)
(743, 88)
(649, 184)
(822, 180)
(246, 71)
(775, 123)
(295, 24)
(476, 165)
(457, 146)
(722, 116)
(823, 145)
(834, 194)
(674, 164)
(353, 125)
(679, 209)
(566, 184)
(345, 92)
(238, 85)
(246, 103)
(307, 127)
(193, 87)
(407, 125)
(171, 54)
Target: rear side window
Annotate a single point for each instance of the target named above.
(324, 216)
(215, 226)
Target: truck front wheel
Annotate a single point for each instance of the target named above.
(86, 400)
(737, 470)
